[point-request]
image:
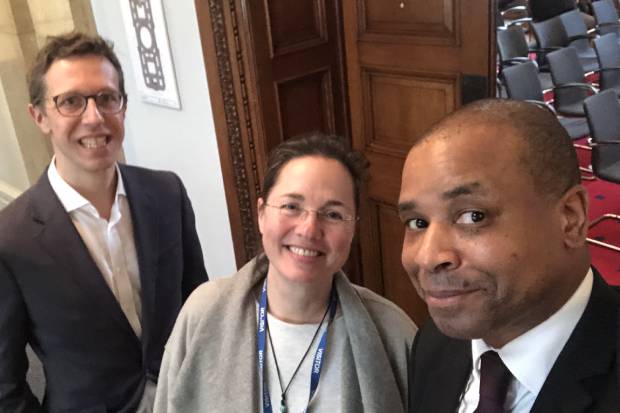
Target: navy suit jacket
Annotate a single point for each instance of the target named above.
(53, 296)
(584, 378)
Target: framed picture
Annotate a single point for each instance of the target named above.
(149, 50)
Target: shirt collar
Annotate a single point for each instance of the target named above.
(531, 356)
(69, 197)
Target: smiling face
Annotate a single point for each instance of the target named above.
(485, 250)
(307, 249)
(86, 144)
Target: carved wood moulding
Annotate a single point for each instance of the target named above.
(239, 155)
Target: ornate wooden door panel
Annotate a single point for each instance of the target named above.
(409, 63)
(298, 67)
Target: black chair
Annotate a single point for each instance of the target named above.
(579, 39)
(513, 49)
(606, 17)
(552, 34)
(603, 113)
(512, 46)
(608, 53)
(549, 36)
(522, 83)
(570, 87)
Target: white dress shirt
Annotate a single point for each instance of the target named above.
(530, 356)
(110, 243)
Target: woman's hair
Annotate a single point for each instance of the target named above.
(316, 144)
(313, 144)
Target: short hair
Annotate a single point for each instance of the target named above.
(65, 46)
(316, 144)
(548, 153)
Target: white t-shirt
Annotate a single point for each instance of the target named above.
(290, 342)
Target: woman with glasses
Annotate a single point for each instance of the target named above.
(289, 332)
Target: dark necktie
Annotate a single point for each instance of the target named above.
(494, 381)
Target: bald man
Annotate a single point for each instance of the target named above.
(495, 243)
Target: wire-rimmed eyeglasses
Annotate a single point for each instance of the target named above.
(74, 104)
(328, 216)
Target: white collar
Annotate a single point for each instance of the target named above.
(531, 356)
(69, 197)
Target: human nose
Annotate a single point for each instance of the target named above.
(308, 224)
(433, 250)
(91, 112)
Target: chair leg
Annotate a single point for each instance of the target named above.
(601, 243)
(590, 177)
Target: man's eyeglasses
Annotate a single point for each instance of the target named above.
(74, 104)
(328, 216)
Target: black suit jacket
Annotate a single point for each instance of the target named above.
(584, 378)
(53, 296)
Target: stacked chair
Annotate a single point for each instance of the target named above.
(570, 86)
(522, 83)
(606, 17)
(512, 48)
(608, 53)
(566, 30)
(579, 39)
(603, 114)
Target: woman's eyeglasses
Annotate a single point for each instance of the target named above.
(327, 215)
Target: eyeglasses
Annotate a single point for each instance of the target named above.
(328, 216)
(74, 104)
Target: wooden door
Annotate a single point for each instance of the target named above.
(409, 63)
(297, 47)
(299, 69)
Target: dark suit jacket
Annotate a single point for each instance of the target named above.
(53, 296)
(584, 378)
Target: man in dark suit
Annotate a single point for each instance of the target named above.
(495, 243)
(96, 258)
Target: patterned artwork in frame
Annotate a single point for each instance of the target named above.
(149, 50)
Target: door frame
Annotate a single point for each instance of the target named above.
(222, 25)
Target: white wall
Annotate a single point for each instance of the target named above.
(181, 141)
(13, 176)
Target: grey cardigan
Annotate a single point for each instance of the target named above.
(210, 362)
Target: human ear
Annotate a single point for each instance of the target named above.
(39, 118)
(574, 204)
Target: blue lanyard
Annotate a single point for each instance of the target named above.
(319, 356)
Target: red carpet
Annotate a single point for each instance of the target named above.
(604, 198)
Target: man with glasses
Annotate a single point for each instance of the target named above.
(97, 257)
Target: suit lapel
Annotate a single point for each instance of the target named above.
(587, 358)
(145, 231)
(449, 371)
(456, 367)
(61, 240)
